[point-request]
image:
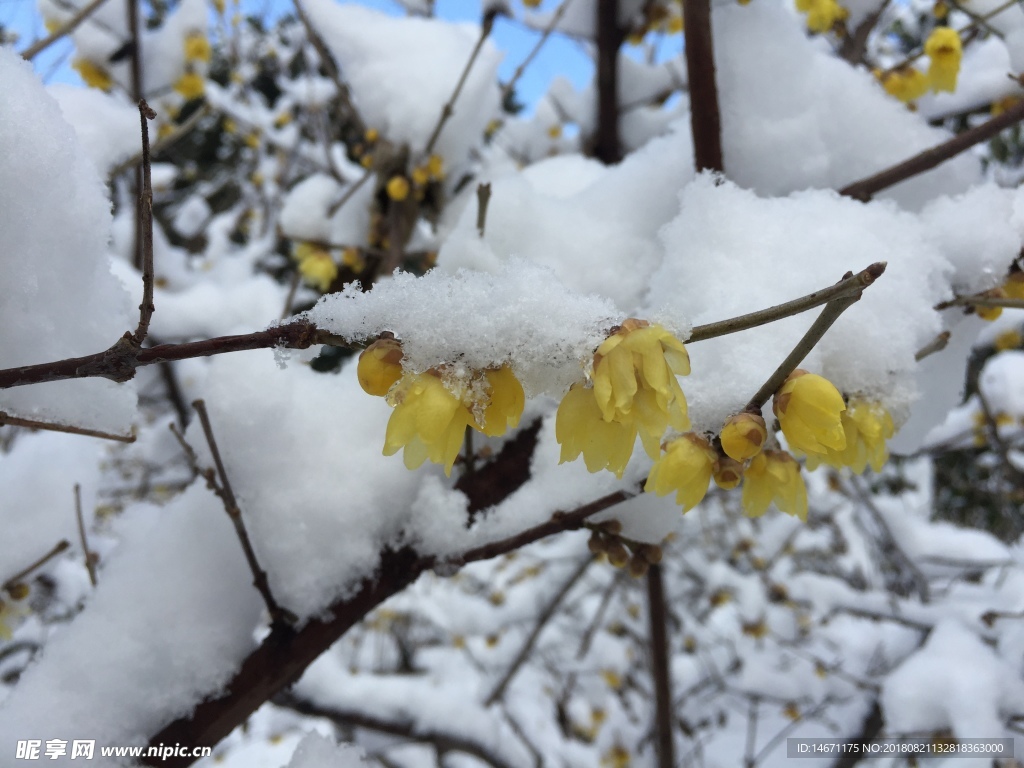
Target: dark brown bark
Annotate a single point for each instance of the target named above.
(607, 143)
(705, 117)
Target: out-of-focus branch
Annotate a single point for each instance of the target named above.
(179, 132)
(507, 88)
(705, 117)
(449, 107)
(59, 547)
(14, 421)
(444, 741)
(145, 227)
(88, 554)
(610, 36)
(66, 29)
(865, 189)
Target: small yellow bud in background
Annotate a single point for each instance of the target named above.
(318, 269)
(636, 37)
(197, 47)
(93, 74)
(555, 131)
(1013, 287)
(743, 436)
(991, 313)
(675, 23)
(617, 553)
(940, 10)
(435, 167)
(398, 188)
(371, 135)
(230, 126)
(1010, 339)
(366, 161)
(18, 590)
(190, 85)
(420, 176)
(944, 49)
(822, 15)
(727, 473)
(380, 366)
(353, 259)
(282, 120)
(531, 3)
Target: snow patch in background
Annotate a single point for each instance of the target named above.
(316, 751)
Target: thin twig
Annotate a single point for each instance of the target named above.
(66, 29)
(1001, 446)
(661, 672)
(483, 198)
(748, 759)
(7, 420)
(542, 620)
(59, 547)
(161, 144)
(845, 287)
(610, 36)
(982, 301)
(828, 316)
(449, 108)
(507, 88)
(293, 286)
(90, 558)
(865, 189)
(349, 193)
(279, 616)
(705, 117)
(145, 226)
(937, 344)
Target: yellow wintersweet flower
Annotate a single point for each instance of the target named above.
(774, 476)
(1013, 286)
(822, 15)
(675, 24)
(743, 435)
(635, 373)
(728, 473)
(867, 425)
(991, 313)
(907, 84)
(371, 135)
(685, 467)
(945, 50)
(197, 47)
(398, 188)
(580, 427)
(420, 176)
(1010, 339)
(435, 167)
(190, 85)
(429, 421)
(808, 407)
(380, 366)
(505, 402)
(93, 74)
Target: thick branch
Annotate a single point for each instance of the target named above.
(865, 189)
(120, 361)
(285, 653)
(705, 117)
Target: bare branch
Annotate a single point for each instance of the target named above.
(661, 673)
(705, 117)
(865, 189)
(483, 198)
(507, 88)
(66, 29)
(145, 226)
(90, 558)
(607, 142)
(14, 421)
(279, 616)
(59, 547)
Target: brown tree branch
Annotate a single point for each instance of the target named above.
(145, 227)
(705, 117)
(285, 653)
(120, 361)
(610, 36)
(443, 741)
(867, 188)
(661, 672)
(14, 421)
(509, 87)
(59, 547)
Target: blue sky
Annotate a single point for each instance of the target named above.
(560, 55)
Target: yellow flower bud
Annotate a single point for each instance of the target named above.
(398, 188)
(371, 135)
(685, 467)
(420, 176)
(380, 366)
(907, 84)
(318, 269)
(991, 313)
(1013, 287)
(944, 49)
(727, 473)
(435, 167)
(744, 435)
(808, 407)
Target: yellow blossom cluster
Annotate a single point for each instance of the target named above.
(431, 414)
(1012, 288)
(944, 50)
(635, 391)
(94, 75)
(822, 15)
